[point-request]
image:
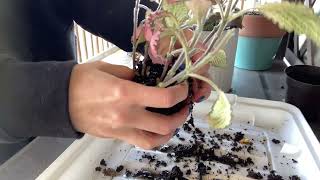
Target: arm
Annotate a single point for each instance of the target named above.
(109, 19)
(34, 99)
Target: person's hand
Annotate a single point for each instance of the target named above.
(201, 90)
(104, 102)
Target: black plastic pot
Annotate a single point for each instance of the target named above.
(304, 90)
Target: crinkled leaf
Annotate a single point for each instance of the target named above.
(218, 59)
(178, 9)
(220, 115)
(294, 17)
(199, 8)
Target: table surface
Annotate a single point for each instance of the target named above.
(34, 158)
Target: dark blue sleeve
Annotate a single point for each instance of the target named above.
(109, 19)
(34, 99)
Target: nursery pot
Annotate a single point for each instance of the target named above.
(258, 42)
(223, 76)
(304, 90)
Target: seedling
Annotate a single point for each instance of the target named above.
(181, 61)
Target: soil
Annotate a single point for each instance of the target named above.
(199, 149)
(275, 141)
(151, 77)
(254, 175)
(274, 176)
(294, 177)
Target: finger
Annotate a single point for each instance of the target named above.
(162, 124)
(203, 91)
(119, 71)
(153, 122)
(156, 97)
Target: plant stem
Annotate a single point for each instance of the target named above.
(215, 29)
(160, 5)
(221, 44)
(184, 45)
(180, 76)
(221, 9)
(135, 26)
(228, 9)
(207, 80)
(194, 41)
(144, 7)
(169, 57)
(146, 56)
(235, 5)
(184, 74)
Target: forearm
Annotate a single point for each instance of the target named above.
(34, 99)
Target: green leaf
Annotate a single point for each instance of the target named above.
(220, 115)
(178, 9)
(218, 59)
(294, 17)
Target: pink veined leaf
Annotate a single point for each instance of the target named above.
(153, 49)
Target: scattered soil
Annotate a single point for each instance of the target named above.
(254, 175)
(276, 141)
(119, 169)
(295, 177)
(200, 151)
(274, 176)
(103, 163)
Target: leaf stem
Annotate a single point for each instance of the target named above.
(207, 80)
(135, 26)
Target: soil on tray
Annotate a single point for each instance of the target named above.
(199, 148)
(276, 141)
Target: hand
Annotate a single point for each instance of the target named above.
(201, 90)
(104, 102)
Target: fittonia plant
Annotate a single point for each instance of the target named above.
(174, 17)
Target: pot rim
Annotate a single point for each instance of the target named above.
(290, 68)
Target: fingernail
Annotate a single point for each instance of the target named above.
(182, 67)
(201, 99)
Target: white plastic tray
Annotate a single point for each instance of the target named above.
(262, 119)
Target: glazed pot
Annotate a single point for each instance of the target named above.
(303, 91)
(258, 42)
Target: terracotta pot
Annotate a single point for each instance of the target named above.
(258, 43)
(259, 26)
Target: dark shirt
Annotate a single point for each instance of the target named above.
(37, 54)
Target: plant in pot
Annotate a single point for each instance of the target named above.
(187, 53)
(258, 41)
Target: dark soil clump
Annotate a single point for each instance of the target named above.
(254, 175)
(275, 141)
(274, 176)
(294, 177)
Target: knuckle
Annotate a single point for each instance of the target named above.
(120, 91)
(118, 120)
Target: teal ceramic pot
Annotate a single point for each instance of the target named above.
(256, 53)
(258, 42)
